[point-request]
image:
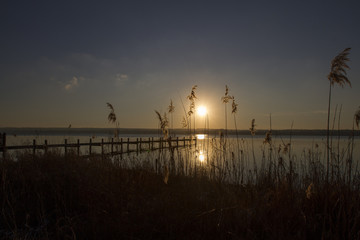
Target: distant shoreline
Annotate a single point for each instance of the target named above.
(148, 131)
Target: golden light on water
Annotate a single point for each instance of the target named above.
(200, 136)
(201, 156)
(201, 111)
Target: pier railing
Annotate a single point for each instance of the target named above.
(113, 146)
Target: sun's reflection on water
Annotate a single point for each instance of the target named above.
(200, 136)
(201, 156)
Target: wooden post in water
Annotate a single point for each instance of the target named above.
(34, 147)
(102, 147)
(177, 142)
(46, 146)
(128, 140)
(137, 146)
(152, 143)
(90, 141)
(184, 141)
(112, 146)
(156, 165)
(121, 146)
(140, 144)
(149, 144)
(3, 144)
(78, 147)
(65, 146)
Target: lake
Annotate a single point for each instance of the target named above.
(233, 155)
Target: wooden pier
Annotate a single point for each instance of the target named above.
(113, 146)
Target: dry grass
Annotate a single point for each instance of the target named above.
(339, 77)
(56, 197)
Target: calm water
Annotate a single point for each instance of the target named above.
(244, 145)
(245, 152)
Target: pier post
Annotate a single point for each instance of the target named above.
(65, 146)
(137, 146)
(140, 145)
(128, 140)
(78, 147)
(34, 147)
(90, 143)
(3, 143)
(102, 147)
(121, 146)
(112, 146)
(46, 146)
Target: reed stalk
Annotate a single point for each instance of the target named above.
(336, 76)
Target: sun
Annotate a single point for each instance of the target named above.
(201, 110)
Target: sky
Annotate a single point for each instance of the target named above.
(62, 61)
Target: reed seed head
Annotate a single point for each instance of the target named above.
(184, 122)
(192, 95)
(337, 73)
(112, 115)
(268, 137)
(357, 117)
(171, 107)
(234, 105)
(163, 123)
(225, 99)
(252, 128)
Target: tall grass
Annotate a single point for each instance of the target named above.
(171, 110)
(192, 97)
(52, 196)
(336, 76)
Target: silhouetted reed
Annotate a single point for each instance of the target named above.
(336, 76)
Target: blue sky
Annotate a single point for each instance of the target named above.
(61, 61)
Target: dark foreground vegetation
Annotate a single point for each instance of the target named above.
(57, 197)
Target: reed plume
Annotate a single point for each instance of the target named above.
(171, 110)
(357, 117)
(112, 119)
(337, 76)
(225, 99)
(338, 73)
(184, 123)
(233, 111)
(112, 115)
(252, 131)
(171, 107)
(252, 128)
(192, 97)
(164, 123)
(234, 106)
(268, 137)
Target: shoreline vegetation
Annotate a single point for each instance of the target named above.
(52, 196)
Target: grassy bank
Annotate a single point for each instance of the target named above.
(57, 197)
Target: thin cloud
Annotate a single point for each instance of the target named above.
(74, 82)
(120, 79)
